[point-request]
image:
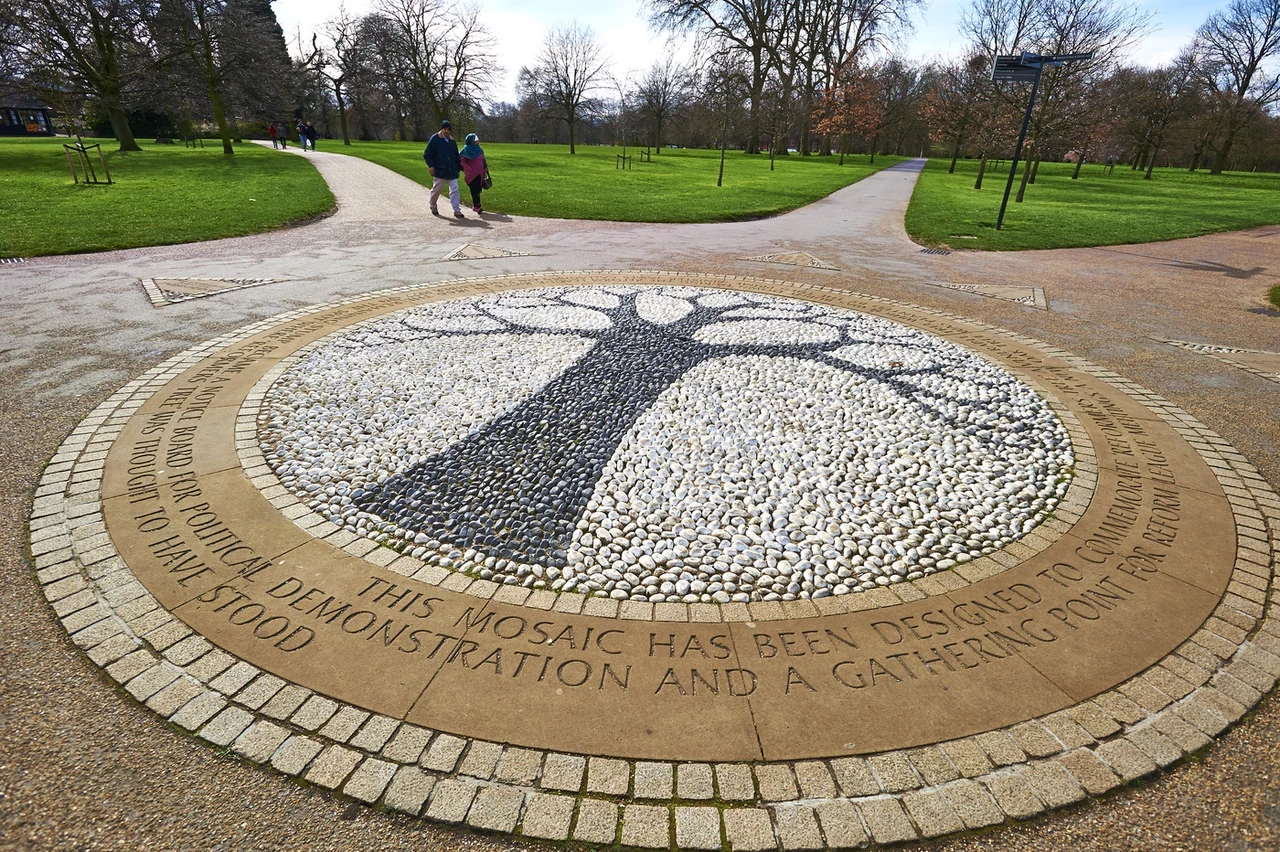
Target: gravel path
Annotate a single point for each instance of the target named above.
(84, 767)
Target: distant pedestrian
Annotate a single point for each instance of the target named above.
(444, 165)
(302, 134)
(271, 131)
(283, 135)
(474, 169)
(311, 133)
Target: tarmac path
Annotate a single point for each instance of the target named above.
(74, 329)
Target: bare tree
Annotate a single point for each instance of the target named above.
(569, 69)
(956, 101)
(748, 27)
(99, 49)
(1237, 44)
(448, 52)
(663, 93)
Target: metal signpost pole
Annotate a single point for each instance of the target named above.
(1017, 152)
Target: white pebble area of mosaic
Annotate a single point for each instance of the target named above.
(774, 450)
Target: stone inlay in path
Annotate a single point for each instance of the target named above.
(169, 291)
(1124, 631)
(793, 258)
(1032, 297)
(471, 251)
(669, 444)
(1260, 362)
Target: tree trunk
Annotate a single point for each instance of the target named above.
(515, 488)
(220, 116)
(982, 170)
(1151, 164)
(342, 111)
(1026, 175)
(572, 148)
(1075, 174)
(874, 142)
(1220, 161)
(120, 127)
(955, 155)
(1035, 169)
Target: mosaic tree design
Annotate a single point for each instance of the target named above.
(516, 487)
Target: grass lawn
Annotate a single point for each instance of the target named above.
(678, 186)
(164, 194)
(1098, 209)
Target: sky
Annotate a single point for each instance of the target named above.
(518, 27)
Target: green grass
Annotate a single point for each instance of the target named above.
(1097, 209)
(1274, 297)
(678, 186)
(162, 195)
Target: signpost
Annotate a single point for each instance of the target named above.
(1020, 69)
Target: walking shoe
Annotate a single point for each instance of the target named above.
(475, 208)
(435, 212)
(457, 214)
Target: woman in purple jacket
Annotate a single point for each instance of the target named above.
(474, 168)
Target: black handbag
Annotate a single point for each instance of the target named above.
(486, 182)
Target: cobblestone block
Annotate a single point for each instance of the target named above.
(1092, 774)
(342, 724)
(496, 808)
(294, 756)
(226, 726)
(315, 712)
(608, 776)
(1094, 720)
(408, 790)
(1000, 748)
(841, 824)
(199, 710)
(332, 767)
(749, 829)
(695, 781)
(1052, 783)
(815, 780)
(968, 757)
(797, 827)
(887, 820)
(894, 772)
(776, 782)
(735, 782)
(973, 804)
(597, 821)
(1035, 739)
(407, 745)
(481, 759)
(563, 771)
(1014, 795)
(548, 816)
(369, 780)
(1155, 745)
(933, 813)
(443, 754)
(173, 697)
(450, 800)
(933, 765)
(259, 741)
(1125, 758)
(697, 828)
(646, 827)
(518, 766)
(375, 733)
(653, 780)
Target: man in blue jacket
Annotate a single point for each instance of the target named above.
(444, 164)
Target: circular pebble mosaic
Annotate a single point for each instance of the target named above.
(665, 444)
(1128, 630)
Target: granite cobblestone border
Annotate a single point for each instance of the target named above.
(1142, 725)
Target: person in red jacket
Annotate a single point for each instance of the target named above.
(474, 168)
